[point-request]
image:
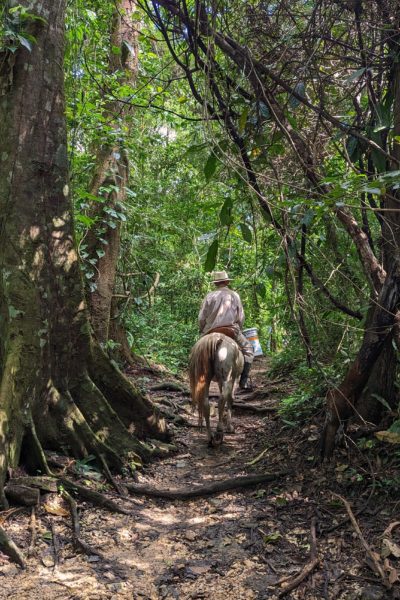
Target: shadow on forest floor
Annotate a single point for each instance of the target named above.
(238, 544)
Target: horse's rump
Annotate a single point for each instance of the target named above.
(203, 365)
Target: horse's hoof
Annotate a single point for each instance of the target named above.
(218, 438)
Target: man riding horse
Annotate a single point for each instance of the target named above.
(222, 312)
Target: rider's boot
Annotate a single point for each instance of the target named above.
(244, 383)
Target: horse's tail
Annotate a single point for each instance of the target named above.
(201, 369)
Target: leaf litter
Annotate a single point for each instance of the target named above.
(244, 544)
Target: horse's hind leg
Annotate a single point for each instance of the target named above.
(206, 413)
(227, 392)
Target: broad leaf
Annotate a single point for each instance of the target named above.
(246, 233)
(243, 120)
(225, 216)
(211, 258)
(210, 167)
(355, 75)
(300, 90)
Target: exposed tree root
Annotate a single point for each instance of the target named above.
(171, 386)
(33, 529)
(56, 544)
(136, 412)
(22, 494)
(10, 548)
(79, 544)
(254, 408)
(94, 497)
(205, 490)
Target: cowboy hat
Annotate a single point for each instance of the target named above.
(219, 276)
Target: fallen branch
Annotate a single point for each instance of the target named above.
(205, 490)
(10, 548)
(372, 555)
(258, 457)
(290, 584)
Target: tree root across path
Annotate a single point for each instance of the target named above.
(205, 490)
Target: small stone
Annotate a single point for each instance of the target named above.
(190, 535)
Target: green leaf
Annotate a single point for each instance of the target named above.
(355, 75)
(308, 217)
(261, 290)
(225, 216)
(88, 221)
(26, 43)
(353, 148)
(382, 400)
(272, 538)
(130, 48)
(211, 258)
(246, 233)
(13, 312)
(264, 110)
(210, 167)
(379, 161)
(243, 120)
(300, 90)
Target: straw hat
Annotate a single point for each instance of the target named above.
(219, 276)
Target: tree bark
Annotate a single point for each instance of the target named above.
(56, 385)
(341, 401)
(111, 175)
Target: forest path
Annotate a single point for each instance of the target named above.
(235, 545)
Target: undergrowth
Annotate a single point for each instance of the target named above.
(312, 384)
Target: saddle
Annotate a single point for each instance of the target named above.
(226, 330)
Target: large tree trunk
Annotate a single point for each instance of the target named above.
(57, 387)
(112, 172)
(341, 400)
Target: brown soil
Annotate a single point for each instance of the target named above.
(234, 545)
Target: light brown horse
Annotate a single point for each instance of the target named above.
(215, 356)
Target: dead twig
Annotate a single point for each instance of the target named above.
(56, 545)
(290, 584)
(372, 555)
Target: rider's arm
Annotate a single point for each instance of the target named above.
(202, 316)
(240, 312)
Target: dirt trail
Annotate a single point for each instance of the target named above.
(235, 545)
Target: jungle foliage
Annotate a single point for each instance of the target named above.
(260, 138)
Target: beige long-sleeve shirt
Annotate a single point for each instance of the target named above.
(221, 308)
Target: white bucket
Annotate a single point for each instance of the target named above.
(252, 336)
